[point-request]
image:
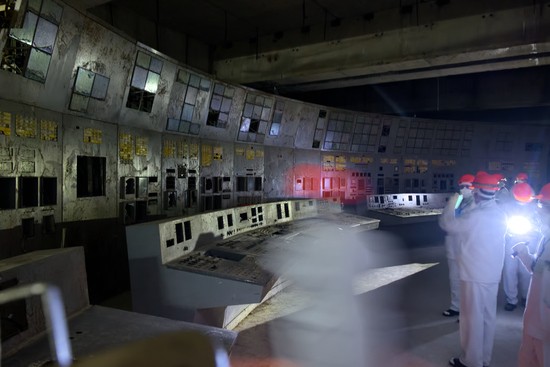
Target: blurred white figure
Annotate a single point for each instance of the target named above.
(535, 346)
(331, 330)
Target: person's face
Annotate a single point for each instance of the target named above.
(477, 196)
(466, 191)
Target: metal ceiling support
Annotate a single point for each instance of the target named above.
(87, 4)
(504, 39)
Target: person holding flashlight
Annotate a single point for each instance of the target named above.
(515, 278)
(535, 345)
(480, 260)
(459, 203)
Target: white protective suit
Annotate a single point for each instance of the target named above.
(535, 346)
(452, 242)
(480, 260)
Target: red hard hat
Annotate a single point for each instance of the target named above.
(523, 192)
(544, 194)
(486, 182)
(521, 177)
(466, 179)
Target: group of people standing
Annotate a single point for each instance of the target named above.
(480, 243)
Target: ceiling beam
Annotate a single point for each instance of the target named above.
(505, 39)
(86, 4)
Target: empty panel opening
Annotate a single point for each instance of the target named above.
(217, 202)
(141, 210)
(170, 183)
(129, 212)
(48, 191)
(241, 184)
(417, 199)
(90, 176)
(230, 220)
(192, 183)
(187, 227)
(257, 184)
(425, 198)
(170, 199)
(28, 192)
(216, 184)
(27, 225)
(179, 232)
(253, 211)
(208, 184)
(7, 188)
(208, 203)
(170, 242)
(296, 206)
(279, 212)
(220, 222)
(48, 224)
(130, 186)
(243, 216)
(287, 211)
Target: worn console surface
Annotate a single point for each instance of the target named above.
(407, 208)
(207, 267)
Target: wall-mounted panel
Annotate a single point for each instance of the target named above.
(30, 158)
(286, 121)
(147, 90)
(249, 173)
(48, 64)
(217, 181)
(306, 174)
(179, 184)
(138, 164)
(110, 58)
(279, 172)
(90, 161)
(308, 122)
(224, 112)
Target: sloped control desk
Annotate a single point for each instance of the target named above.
(207, 268)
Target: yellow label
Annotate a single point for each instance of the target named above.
(206, 156)
(92, 136)
(5, 123)
(48, 130)
(142, 146)
(169, 149)
(25, 126)
(218, 153)
(126, 147)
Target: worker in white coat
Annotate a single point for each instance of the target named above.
(535, 345)
(458, 204)
(480, 259)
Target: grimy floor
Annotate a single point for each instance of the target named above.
(402, 299)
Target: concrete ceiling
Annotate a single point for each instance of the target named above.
(329, 50)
